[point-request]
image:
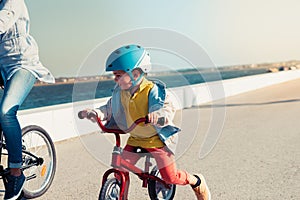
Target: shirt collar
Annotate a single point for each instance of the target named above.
(144, 83)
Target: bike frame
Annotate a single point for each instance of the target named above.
(118, 163)
(3, 171)
(35, 162)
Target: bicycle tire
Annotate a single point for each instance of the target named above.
(38, 177)
(110, 190)
(157, 191)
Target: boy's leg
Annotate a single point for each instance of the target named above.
(167, 167)
(129, 155)
(169, 172)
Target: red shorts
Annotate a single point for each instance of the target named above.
(165, 162)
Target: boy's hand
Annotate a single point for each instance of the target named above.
(84, 114)
(155, 119)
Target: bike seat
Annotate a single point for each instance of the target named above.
(140, 150)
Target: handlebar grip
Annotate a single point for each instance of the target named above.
(87, 114)
(91, 115)
(160, 121)
(80, 115)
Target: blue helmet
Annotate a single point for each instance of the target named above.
(128, 58)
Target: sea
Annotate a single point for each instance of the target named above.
(55, 94)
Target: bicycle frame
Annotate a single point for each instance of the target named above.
(32, 162)
(38, 161)
(3, 171)
(118, 163)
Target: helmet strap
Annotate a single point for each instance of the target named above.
(135, 82)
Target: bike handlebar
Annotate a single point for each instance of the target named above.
(89, 114)
(94, 115)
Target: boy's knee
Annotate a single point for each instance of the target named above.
(170, 179)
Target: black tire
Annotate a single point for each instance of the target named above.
(158, 191)
(39, 177)
(110, 190)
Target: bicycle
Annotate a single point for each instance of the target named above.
(39, 161)
(115, 181)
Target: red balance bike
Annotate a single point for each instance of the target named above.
(115, 182)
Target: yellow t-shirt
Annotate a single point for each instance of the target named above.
(136, 106)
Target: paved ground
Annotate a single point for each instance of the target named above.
(257, 155)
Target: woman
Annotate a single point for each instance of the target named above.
(20, 67)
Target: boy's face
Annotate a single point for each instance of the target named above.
(123, 79)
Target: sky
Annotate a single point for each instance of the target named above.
(231, 32)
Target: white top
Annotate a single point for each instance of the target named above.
(17, 48)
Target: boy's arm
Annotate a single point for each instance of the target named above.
(103, 112)
(161, 105)
(167, 111)
(106, 110)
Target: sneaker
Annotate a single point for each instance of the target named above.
(202, 192)
(14, 186)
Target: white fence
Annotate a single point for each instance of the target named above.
(62, 123)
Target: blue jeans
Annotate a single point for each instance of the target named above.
(16, 90)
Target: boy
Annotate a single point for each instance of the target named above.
(134, 97)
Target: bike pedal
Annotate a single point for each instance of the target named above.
(30, 177)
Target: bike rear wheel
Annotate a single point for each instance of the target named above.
(110, 190)
(157, 191)
(39, 161)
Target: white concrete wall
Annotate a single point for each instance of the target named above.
(61, 121)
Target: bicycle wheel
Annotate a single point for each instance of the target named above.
(110, 190)
(39, 161)
(157, 191)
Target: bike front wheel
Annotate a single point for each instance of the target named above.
(39, 161)
(110, 190)
(157, 190)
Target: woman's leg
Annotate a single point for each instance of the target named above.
(15, 92)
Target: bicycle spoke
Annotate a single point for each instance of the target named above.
(157, 190)
(37, 142)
